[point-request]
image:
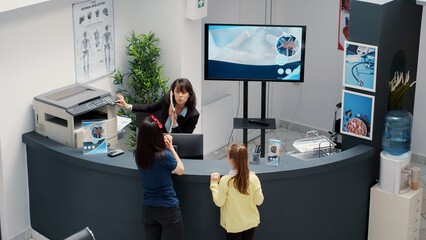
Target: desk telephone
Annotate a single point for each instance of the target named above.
(91, 105)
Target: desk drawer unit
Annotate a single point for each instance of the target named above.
(394, 217)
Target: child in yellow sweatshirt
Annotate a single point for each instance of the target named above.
(237, 194)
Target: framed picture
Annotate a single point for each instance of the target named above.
(357, 115)
(94, 48)
(359, 66)
(343, 23)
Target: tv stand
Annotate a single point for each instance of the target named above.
(255, 123)
(261, 122)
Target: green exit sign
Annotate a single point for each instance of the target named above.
(200, 3)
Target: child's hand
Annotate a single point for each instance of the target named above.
(215, 177)
(168, 139)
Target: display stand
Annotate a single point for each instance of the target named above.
(396, 52)
(255, 123)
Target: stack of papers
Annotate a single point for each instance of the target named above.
(122, 122)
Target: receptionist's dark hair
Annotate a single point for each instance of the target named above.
(184, 84)
(150, 143)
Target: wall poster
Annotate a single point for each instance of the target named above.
(93, 39)
(359, 66)
(357, 114)
(343, 23)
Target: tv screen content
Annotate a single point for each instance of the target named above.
(254, 52)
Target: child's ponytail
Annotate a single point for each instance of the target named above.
(238, 153)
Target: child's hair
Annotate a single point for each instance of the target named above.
(150, 142)
(238, 153)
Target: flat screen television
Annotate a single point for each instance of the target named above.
(242, 52)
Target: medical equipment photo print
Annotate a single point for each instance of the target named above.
(359, 66)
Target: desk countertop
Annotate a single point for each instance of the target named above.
(125, 164)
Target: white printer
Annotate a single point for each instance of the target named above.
(59, 113)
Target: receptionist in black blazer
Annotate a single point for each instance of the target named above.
(182, 119)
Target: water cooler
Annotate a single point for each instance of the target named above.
(395, 158)
(394, 172)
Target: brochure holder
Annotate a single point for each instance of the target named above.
(94, 137)
(274, 150)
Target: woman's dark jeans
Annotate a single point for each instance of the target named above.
(158, 220)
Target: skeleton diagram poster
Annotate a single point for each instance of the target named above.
(93, 39)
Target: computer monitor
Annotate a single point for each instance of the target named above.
(188, 145)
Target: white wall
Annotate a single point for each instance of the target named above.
(236, 11)
(2, 202)
(191, 60)
(217, 13)
(10, 5)
(419, 120)
(37, 55)
(311, 103)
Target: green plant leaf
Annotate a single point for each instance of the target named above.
(144, 80)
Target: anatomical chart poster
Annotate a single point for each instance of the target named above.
(93, 39)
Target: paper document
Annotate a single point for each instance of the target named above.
(122, 122)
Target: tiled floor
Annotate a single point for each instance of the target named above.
(287, 138)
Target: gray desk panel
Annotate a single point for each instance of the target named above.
(325, 198)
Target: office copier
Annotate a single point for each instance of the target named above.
(58, 114)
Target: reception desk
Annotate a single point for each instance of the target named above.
(324, 198)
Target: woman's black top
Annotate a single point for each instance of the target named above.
(160, 110)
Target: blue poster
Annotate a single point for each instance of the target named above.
(359, 68)
(357, 115)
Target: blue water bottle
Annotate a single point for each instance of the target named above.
(396, 139)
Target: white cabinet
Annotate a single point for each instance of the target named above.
(394, 217)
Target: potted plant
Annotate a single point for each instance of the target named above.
(144, 83)
(396, 138)
(398, 87)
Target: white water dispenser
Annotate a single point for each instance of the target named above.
(395, 172)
